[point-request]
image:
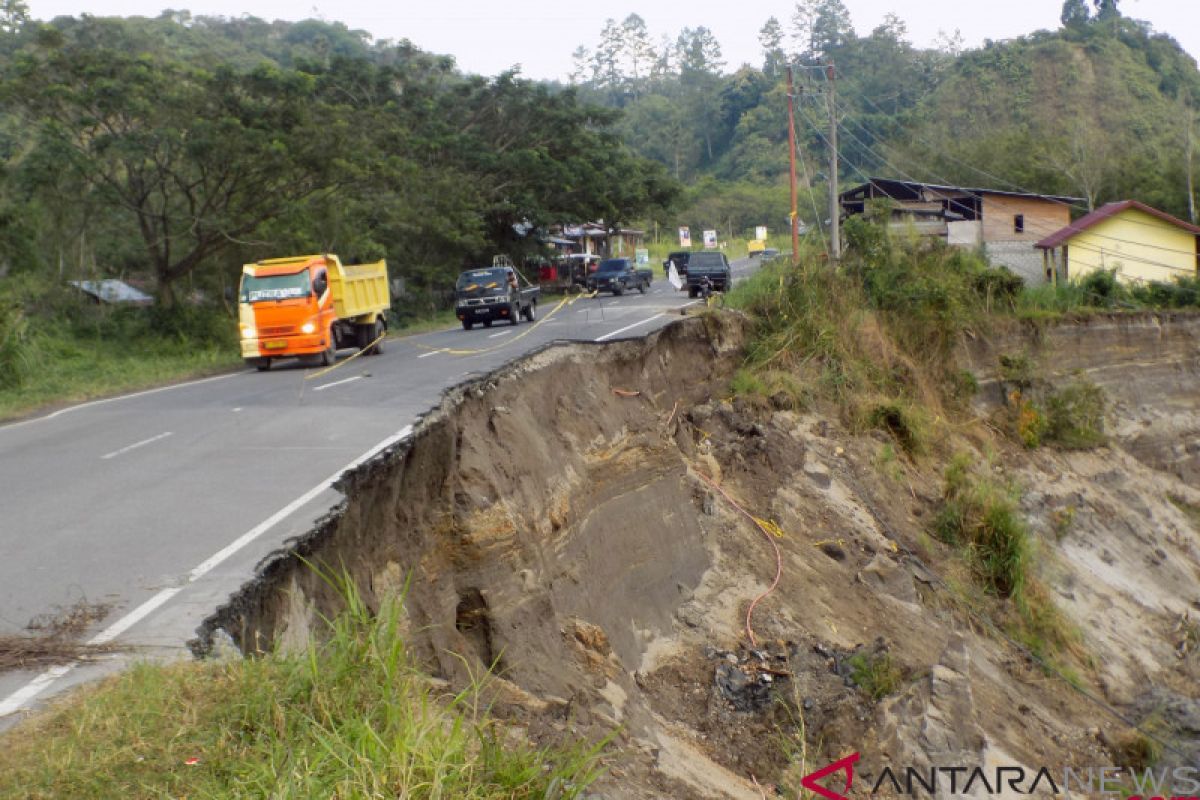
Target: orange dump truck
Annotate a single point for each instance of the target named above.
(310, 306)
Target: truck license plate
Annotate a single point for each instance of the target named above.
(275, 345)
(481, 311)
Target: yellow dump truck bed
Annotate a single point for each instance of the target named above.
(359, 290)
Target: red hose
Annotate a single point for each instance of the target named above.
(770, 539)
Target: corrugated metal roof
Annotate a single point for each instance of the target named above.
(881, 183)
(1104, 212)
(111, 290)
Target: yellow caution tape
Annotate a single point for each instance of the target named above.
(339, 364)
(769, 526)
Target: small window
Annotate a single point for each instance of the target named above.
(1018, 223)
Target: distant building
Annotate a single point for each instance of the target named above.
(1004, 224)
(1141, 243)
(596, 239)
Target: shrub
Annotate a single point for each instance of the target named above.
(904, 422)
(1075, 416)
(980, 515)
(14, 346)
(1102, 289)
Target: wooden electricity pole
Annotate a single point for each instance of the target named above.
(794, 216)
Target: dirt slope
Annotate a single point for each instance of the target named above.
(559, 520)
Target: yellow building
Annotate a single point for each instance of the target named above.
(1139, 242)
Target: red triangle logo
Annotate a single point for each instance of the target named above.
(845, 765)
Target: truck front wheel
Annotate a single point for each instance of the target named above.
(642, 286)
(531, 312)
(329, 354)
(514, 314)
(467, 324)
(260, 364)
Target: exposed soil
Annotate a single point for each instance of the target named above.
(557, 521)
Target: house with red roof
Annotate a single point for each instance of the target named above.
(1139, 242)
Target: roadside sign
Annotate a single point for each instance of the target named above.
(710, 238)
(642, 255)
(760, 233)
(685, 237)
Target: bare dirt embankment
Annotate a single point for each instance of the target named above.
(559, 521)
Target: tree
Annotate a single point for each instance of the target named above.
(1074, 13)
(197, 160)
(831, 27)
(607, 59)
(700, 63)
(13, 16)
(638, 51)
(771, 39)
(803, 16)
(581, 59)
(1106, 9)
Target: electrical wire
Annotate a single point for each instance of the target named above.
(984, 173)
(1035, 225)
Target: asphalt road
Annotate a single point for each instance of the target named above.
(156, 506)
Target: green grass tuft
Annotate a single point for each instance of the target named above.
(876, 675)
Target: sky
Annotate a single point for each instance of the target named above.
(489, 36)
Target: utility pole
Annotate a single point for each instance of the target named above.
(794, 216)
(1190, 188)
(835, 242)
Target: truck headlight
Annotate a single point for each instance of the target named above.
(308, 327)
(248, 332)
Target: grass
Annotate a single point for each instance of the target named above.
(979, 517)
(875, 674)
(874, 336)
(71, 371)
(352, 717)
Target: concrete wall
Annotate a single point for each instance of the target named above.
(967, 232)
(1140, 246)
(1042, 218)
(1021, 257)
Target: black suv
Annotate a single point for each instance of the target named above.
(681, 262)
(709, 264)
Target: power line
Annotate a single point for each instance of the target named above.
(1037, 226)
(985, 173)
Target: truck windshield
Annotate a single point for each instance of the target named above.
(613, 265)
(482, 279)
(256, 288)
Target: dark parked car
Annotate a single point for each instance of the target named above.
(681, 262)
(491, 294)
(712, 265)
(618, 274)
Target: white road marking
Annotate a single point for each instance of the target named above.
(627, 327)
(430, 353)
(239, 408)
(324, 386)
(135, 446)
(17, 700)
(501, 333)
(12, 425)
